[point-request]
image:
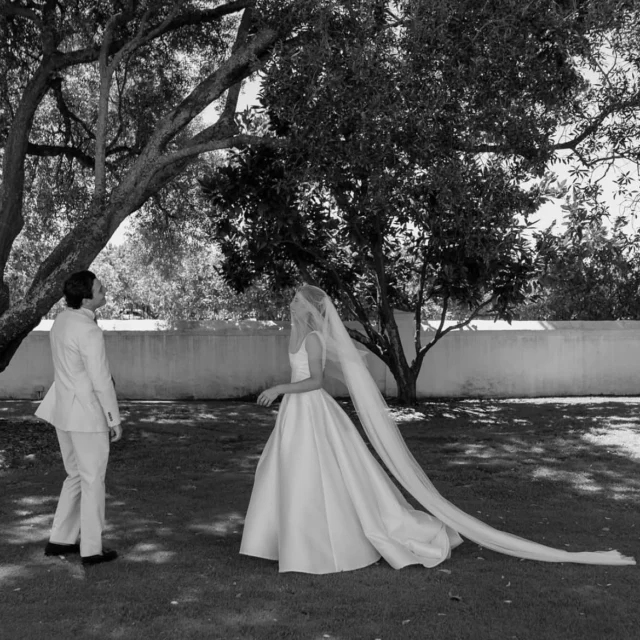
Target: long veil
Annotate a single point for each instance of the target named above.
(316, 313)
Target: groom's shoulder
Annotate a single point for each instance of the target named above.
(73, 317)
(68, 315)
(63, 317)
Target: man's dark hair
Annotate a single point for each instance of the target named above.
(77, 287)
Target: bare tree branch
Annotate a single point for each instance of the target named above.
(439, 334)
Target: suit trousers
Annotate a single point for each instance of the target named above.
(81, 506)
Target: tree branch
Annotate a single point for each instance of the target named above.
(50, 37)
(571, 144)
(417, 338)
(209, 15)
(15, 148)
(586, 132)
(234, 92)
(92, 53)
(11, 9)
(143, 36)
(50, 150)
(417, 363)
(106, 72)
(375, 341)
(241, 140)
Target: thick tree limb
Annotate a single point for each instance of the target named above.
(106, 73)
(234, 92)
(235, 69)
(92, 53)
(209, 15)
(240, 140)
(11, 189)
(54, 150)
(11, 9)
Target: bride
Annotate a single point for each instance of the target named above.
(321, 503)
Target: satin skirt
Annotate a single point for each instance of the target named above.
(321, 503)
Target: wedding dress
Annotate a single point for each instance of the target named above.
(321, 503)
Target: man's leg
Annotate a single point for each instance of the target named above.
(92, 455)
(66, 522)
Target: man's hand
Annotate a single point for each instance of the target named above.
(115, 433)
(268, 396)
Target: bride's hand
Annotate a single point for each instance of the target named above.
(268, 396)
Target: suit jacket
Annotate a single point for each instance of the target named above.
(82, 396)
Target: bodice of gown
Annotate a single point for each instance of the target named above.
(299, 362)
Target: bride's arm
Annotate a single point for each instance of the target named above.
(313, 382)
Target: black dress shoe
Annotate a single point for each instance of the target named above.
(107, 555)
(55, 549)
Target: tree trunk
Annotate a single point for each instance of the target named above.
(10, 345)
(21, 318)
(407, 387)
(398, 364)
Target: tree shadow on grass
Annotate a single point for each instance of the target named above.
(561, 471)
(564, 473)
(552, 449)
(575, 447)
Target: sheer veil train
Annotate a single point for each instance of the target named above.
(343, 361)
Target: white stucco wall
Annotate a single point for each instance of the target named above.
(227, 360)
(530, 359)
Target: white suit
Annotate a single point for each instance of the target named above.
(82, 405)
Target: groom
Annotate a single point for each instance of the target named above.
(81, 404)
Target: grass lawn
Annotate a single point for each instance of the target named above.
(561, 472)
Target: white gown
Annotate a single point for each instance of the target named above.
(321, 503)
